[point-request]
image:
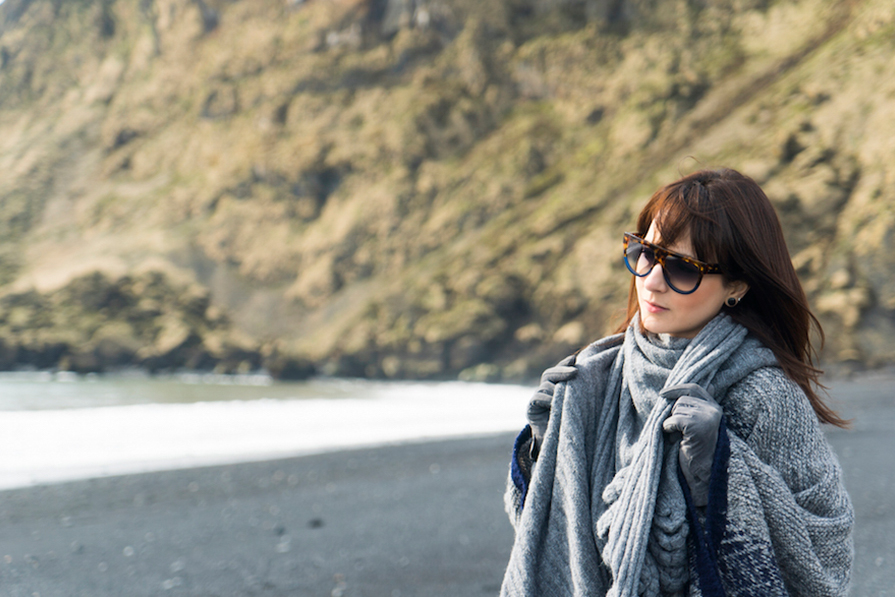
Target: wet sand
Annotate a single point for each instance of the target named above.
(423, 519)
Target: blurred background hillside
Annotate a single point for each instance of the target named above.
(416, 188)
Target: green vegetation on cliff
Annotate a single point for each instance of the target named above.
(415, 188)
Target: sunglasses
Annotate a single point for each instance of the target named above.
(682, 274)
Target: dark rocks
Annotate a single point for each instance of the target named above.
(99, 323)
(289, 367)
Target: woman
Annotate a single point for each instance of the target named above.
(683, 455)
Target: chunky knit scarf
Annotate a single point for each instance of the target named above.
(605, 513)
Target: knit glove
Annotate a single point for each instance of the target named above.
(539, 405)
(697, 417)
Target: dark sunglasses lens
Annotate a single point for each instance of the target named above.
(640, 259)
(681, 275)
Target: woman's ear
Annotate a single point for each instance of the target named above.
(737, 289)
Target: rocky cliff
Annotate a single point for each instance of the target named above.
(415, 188)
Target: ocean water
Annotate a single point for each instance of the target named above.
(58, 427)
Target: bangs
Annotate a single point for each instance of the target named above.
(684, 210)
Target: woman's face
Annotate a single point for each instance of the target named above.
(664, 311)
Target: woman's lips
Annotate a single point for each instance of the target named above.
(654, 308)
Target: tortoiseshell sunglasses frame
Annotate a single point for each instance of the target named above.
(661, 254)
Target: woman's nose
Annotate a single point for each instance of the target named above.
(655, 280)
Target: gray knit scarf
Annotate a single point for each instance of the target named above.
(605, 487)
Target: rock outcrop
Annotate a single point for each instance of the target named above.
(415, 188)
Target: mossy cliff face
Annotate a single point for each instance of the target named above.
(409, 188)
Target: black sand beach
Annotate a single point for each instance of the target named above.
(420, 519)
(414, 520)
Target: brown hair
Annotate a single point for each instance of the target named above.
(731, 222)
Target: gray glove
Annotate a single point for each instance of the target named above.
(539, 405)
(697, 417)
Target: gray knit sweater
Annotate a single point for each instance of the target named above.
(604, 512)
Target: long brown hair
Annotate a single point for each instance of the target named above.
(731, 222)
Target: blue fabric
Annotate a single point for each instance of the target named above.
(520, 479)
(705, 541)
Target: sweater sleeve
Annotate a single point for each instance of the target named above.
(785, 484)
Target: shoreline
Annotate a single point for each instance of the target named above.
(110, 427)
(832, 372)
